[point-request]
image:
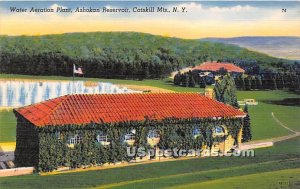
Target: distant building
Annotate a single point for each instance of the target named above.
(216, 67)
(73, 130)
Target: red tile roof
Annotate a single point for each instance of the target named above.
(80, 109)
(215, 66)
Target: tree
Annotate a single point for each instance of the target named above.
(177, 79)
(274, 84)
(258, 82)
(185, 80)
(248, 83)
(246, 136)
(192, 82)
(225, 91)
(242, 83)
(295, 83)
(202, 82)
(253, 83)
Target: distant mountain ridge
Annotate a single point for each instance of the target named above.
(278, 46)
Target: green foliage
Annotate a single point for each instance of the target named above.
(246, 136)
(192, 82)
(115, 54)
(189, 79)
(7, 126)
(54, 152)
(225, 91)
(271, 81)
(258, 82)
(202, 82)
(247, 83)
(185, 80)
(177, 79)
(26, 153)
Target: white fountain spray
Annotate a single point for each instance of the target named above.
(21, 93)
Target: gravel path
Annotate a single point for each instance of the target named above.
(269, 142)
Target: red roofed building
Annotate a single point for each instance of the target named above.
(217, 66)
(57, 127)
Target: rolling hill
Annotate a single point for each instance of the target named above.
(117, 54)
(283, 47)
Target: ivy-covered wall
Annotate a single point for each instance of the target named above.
(27, 144)
(174, 133)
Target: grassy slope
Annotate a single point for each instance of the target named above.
(7, 126)
(288, 178)
(284, 155)
(263, 125)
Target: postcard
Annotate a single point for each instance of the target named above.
(149, 94)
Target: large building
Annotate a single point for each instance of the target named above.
(79, 130)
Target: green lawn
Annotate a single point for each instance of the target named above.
(284, 155)
(288, 178)
(262, 123)
(7, 126)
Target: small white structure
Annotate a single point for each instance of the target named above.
(248, 102)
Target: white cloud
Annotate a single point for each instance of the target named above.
(237, 8)
(191, 5)
(54, 6)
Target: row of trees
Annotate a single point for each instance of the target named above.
(269, 81)
(107, 66)
(192, 79)
(257, 67)
(289, 81)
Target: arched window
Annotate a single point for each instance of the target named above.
(219, 130)
(102, 137)
(153, 134)
(196, 132)
(58, 135)
(130, 136)
(75, 139)
(153, 137)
